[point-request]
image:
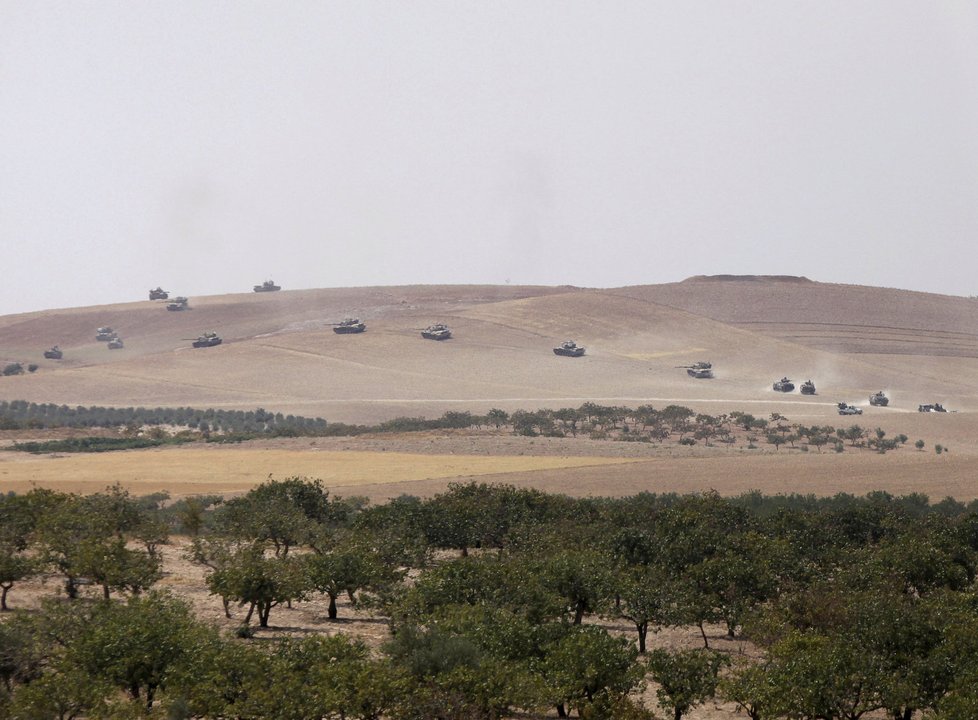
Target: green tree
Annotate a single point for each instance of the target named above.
(259, 582)
(585, 664)
(686, 678)
(282, 513)
(582, 577)
(134, 645)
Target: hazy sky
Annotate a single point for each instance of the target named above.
(207, 146)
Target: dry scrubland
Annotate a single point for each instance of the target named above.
(280, 353)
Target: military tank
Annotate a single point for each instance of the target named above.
(105, 334)
(348, 326)
(808, 388)
(879, 399)
(267, 286)
(54, 353)
(569, 348)
(208, 339)
(158, 294)
(701, 369)
(116, 343)
(178, 304)
(438, 331)
(784, 385)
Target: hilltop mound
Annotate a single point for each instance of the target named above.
(836, 318)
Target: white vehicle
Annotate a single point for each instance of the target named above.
(845, 409)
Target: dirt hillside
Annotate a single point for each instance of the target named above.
(280, 353)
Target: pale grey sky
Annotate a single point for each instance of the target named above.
(207, 146)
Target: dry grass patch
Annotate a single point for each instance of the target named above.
(195, 470)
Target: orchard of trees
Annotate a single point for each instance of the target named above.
(498, 603)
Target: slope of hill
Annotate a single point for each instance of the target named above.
(279, 351)
(839, 318)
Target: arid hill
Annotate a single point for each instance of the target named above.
(279, 351)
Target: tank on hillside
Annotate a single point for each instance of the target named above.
(158, 294)
(348, 326)
(54, 353)
(569, 348)
(879, 399)
(178, 304)
(208, 339)
(116, 343)
(701, 369)
(105, 334)
(438, 331)
(784, 385)
(267, 286)
(808, 388)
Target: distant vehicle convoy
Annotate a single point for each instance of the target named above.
(700, 369)
(569, 348)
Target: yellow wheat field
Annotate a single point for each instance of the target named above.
(187, 471)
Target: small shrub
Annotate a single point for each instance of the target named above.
(32, 367)
(244, 632)
(938, 448)
(687, 441)
(919, 444)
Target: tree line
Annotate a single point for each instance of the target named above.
(599, 422)
(497, 601)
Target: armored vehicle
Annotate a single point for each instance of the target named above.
(845, 409)
(935, 407)
(267, 286)
(569, 348)
(178, 304)
(208, 339)
(784, 385)
(105, 334)
(116, 343)
(54, 353)
(701, 369)
(808, 388)
(348, 326)
(879, 400)
(437, 331)
(158, 294)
